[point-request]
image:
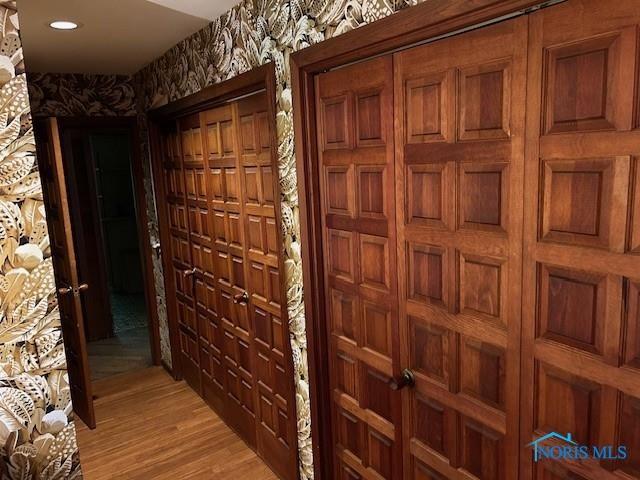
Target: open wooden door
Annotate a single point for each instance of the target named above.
(64, 262)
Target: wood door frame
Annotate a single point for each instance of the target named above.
(130, 125)
(259, 78)
(421, 23)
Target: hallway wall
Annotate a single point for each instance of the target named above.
(36, 422)
(76, 94)
(249, 35)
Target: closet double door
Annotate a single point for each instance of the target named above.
(471, 308)
(222, 201)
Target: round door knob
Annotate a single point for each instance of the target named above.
(65, 290)
(406, 379)
(241, 298)
(82, 287)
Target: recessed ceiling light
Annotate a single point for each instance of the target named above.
(63, 25)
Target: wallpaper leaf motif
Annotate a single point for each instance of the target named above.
(251, 34)
(37, 434)
(62, 95)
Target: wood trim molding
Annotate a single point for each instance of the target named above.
(208, 97)
(417, 24)
(163, 230)
(404, 28)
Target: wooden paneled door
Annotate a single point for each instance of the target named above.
(446, 315)
(226, 207)
(581, 335)
(222, 196)
(484, 250)
(459, 110)
(354, 108)
(63, 248)
(193, 318)
(273, 368)
(180, 271)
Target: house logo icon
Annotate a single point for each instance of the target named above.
(538, 447)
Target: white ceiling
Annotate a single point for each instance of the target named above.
(209, 9)
(116, 36)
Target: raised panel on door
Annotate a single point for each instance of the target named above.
(230, 351)
(354, 108)
(179, 252)
(199, 273)
(580, 373)
(272, 365)
(459, 111)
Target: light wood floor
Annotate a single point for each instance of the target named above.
(151, 427)
(127, 351)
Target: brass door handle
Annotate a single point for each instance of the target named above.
(65, 290)
(406, 379)
(188, 273)
(241, 298)
(76, 291)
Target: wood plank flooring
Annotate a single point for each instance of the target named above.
(151, 427)
(128, 350)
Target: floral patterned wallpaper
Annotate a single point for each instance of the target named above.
(251, 34)
(72, 94)
(37, 434)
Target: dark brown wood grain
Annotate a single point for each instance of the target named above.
(49, 153)
(459, 177)
(461, 210)
(413, 25)
(580, 318)
(354, 114)
(222, 240)
(248, 82)
(264, 274)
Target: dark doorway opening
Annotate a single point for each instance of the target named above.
(109, 249)
(105, 216)
(104, 190)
